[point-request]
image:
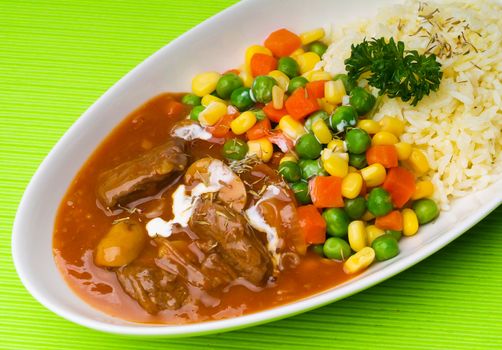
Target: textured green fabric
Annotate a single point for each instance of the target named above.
(58, 57)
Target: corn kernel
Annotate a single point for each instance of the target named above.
(334, 90)
(369, 125)
(290, 157)
(384, 138)
(277, 97)
(321, 131)
(392, 125)
(316, 75)
(307, 61)
(297, 52)
(373, 175)
(205, 83)
(418, 161)
(359, 261)
(357, 235)
(262, 148)
(337, 145)
(410, 222)
(367, 216)
(351, 185)
(207, 99)
(212, 113)
(336, 164)
(311, 36)
(243, 123)
(292, 128)
(326, 106)
(281, 79)
(403, 150)
(251, 51)
(373, 232)
(353, 170)
(423, 189)
(246, 76)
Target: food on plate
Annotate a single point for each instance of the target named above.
(267, 183)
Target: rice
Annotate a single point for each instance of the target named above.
(458, 126)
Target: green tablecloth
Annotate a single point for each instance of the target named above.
(57, 57)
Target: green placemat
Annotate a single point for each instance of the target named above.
(58, 57)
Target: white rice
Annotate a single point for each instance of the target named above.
(459, 126)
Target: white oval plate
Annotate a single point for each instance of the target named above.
(217, 44)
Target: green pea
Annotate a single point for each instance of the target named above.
(288, 66)
(301, 191)
(311, 168)
(235, 149)
(357, 140)
(259, 114)
(426, 210)
(318, 47)
(317, 248)
(355, 208)
(315, 117)
(191, 100)
(361, 100)
(337, 222)
(358, 161)
(379, 202)
(296, 83)
(194, 113)
(227, 84)
(396, 234)
(241, 98)
(336, 248)
(349, 84)
(290, 171)
(342, 118)
(308, 147)
(262, 88)
(385, 247)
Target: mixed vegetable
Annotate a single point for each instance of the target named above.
(354, 180)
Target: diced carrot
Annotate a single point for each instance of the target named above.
(174, 108)
(222, 127)
(300, 104)
(312, 224)
(315, 88)
(262, 64)
(233, 70)
(284, 143)
(259, 130)
(400, 183)
(282, 42)
(383, 154)
(391, 221)
(274, 114)
(364, 189)
(326, 191)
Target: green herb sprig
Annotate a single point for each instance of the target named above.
(395, 71)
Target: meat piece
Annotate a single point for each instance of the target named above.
(141, 175)
(234, 242)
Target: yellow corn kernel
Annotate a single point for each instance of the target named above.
(410, 222)
(207, 99)
(311, 36)
(251, 51)
(334, 90)
(373, 175)
(321, 131)
(357, 235)
(326, 106)
(205, 83)
(384, 138)
(281, 79)
(212, 113)
(351, 185)
(243, 123)
(262, 148)
(423, 189)
(297, 52)
(367, 216)
(336, 164)
(277, 97)
(403, 150)
(353, 170)
(337, 145)
(307, 61)
(418, 162)
(392, 125)
(290, 157)
(373, 232)
(369, 125)
(359, 261)
(246, 76)
(316, 75)
(292, 128)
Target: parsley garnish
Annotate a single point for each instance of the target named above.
(395, 71)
